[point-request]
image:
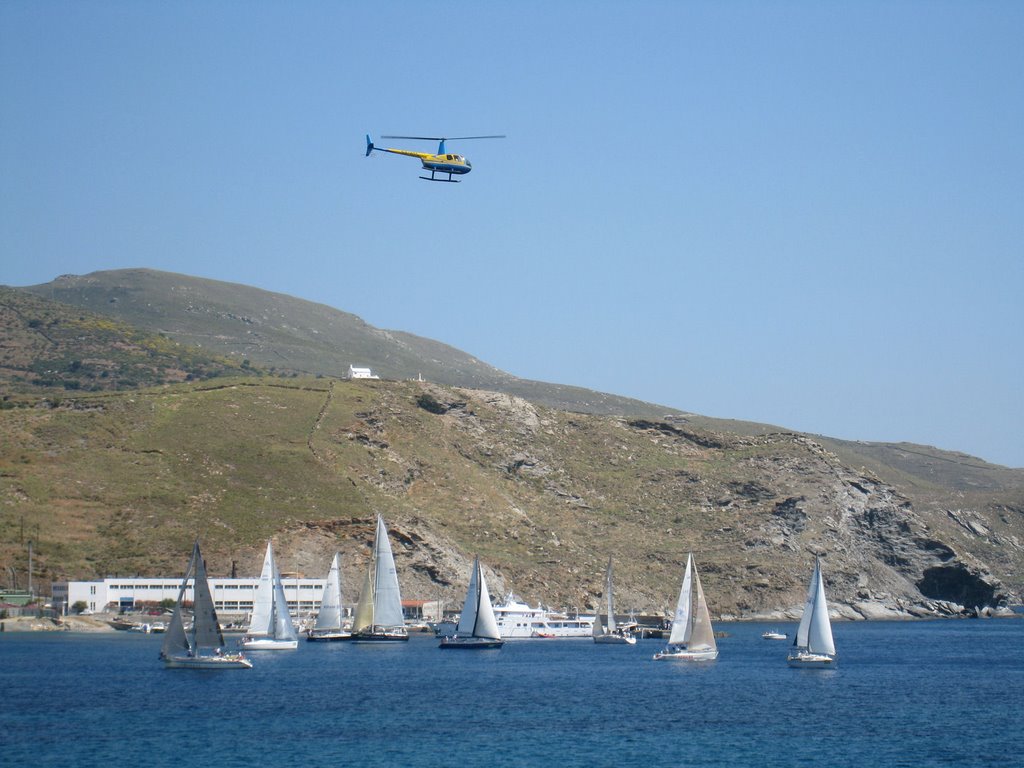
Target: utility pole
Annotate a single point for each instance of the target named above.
(30, 568)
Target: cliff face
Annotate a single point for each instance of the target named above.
(752, 509)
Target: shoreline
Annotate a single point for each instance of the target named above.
(94, 625)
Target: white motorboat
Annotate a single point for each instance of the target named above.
(774, 634)
(517, 620)
(692, 637)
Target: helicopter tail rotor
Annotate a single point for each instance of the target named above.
(369, 145)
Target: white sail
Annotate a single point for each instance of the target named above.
(681, 621)
(467, 619)
(701, 635)
(819, 633)
(270, 616)
(598, 628)
(261, 621)
(282, 627)
(380, 603)
(329, 616)
(486, 625)
(800, 641)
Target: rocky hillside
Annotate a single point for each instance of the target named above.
(121, 483)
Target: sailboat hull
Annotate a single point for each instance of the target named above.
(268, 644)
(381, 635)
(322, 636)
(470, 643)
(230, 661)
(682, 655)
(610, 639)
(805, 660)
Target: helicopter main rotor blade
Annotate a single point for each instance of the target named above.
(443, 138)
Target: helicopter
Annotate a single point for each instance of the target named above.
(443, 162)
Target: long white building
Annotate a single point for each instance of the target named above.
(230, 596)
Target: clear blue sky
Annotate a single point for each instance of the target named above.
(809, 214)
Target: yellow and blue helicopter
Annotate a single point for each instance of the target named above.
(442, 162)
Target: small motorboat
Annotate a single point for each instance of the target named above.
(774, 634)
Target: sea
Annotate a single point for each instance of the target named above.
(923, 693)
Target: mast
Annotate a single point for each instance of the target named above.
(608, 597)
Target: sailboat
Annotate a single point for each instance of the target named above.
(610, 633)
(199, 647)
(477, 626)
(692, 638)
(814, 647)
(270, 628)
(328, 620)
(379, 612)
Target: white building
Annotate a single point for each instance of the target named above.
(230, 596)
(360, 373)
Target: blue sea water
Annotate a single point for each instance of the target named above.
(940, 693)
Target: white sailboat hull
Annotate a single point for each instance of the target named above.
(616, 639)
(806, 660)
(680, 654)
(228, 661)
(268, 644)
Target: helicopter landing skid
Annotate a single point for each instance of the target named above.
(448, 180)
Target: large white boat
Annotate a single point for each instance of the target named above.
(517, 620)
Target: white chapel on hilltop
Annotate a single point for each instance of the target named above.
(360, 373)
